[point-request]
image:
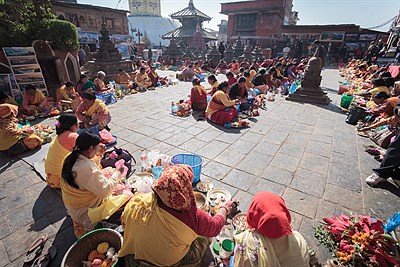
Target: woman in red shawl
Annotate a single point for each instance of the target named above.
(165, 227)
(270, 241)
(221, 110)
(198, 96)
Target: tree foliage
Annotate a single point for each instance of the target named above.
(23, 21)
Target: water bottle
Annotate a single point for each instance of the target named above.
(143, 159)
(174, 108)
(293, 88)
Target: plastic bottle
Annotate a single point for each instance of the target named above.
(143, 159)
(174, 108)
(293, 88)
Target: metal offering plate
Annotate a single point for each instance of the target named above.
(240, 222)
(204, 187)
(221, 195)
(146, 176)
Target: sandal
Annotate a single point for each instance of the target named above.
(45, 259)
(36, 248)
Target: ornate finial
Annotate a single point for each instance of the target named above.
(191, 3)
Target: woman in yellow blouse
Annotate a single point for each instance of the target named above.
(14, 140)
(221, 110)
(67, 96)
(93, 111)
(142, 79)
(5, 99)
(83, 185)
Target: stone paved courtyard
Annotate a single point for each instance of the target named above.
(305, 153)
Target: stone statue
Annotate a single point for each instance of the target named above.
(107, 59)
(310, 90)
(214, 54)
(229, 52)
(238, 48)
(247, 53)
(107, 50)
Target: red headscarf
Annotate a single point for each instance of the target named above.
(174, 187)
(269, 216)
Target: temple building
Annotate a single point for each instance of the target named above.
(192, 21)
(273, 24)
(145, 20)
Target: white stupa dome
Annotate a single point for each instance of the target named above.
(154, 26)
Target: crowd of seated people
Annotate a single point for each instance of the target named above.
(245, 82)
(376, 90)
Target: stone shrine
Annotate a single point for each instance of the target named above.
(107, 59)
(107, 50)
(310, 90)
(229, 52)
(257, 53)
(238, 48)
(214, 54)
(247, 53)
(172, 51)
(188, 54)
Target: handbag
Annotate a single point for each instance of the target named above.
(93, 130)
(383, 137)
(355, 114)
(121, 154)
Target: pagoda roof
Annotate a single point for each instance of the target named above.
(187, 32)
(190, 12)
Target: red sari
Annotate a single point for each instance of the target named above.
(221, 109)
(198, 98)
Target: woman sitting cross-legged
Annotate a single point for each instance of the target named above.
(93, 112)
(153, 76)
(198, 96)
(66, 129)
(83, 184)
(84, 84)
(99, 82)
(239, 91)
(143, 80)
(68, 97)
(221, 110)
(165, 227)
(270, 241)
(34, 101)
(386, 105)
(14, 140)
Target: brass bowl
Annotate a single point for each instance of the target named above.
(201, 201)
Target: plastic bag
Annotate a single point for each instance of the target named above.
(270, 96)
(106, 137)
(121, 163)
(346, 100)
(392, 223)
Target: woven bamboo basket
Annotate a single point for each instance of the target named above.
(80, 250)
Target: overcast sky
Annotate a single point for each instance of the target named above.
(367, 13)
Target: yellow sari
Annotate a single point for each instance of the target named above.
(97, 104)
(53, 163)
(152, 234)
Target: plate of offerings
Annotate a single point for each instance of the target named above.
(240, 222)
(204, 187)
(218, 196)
